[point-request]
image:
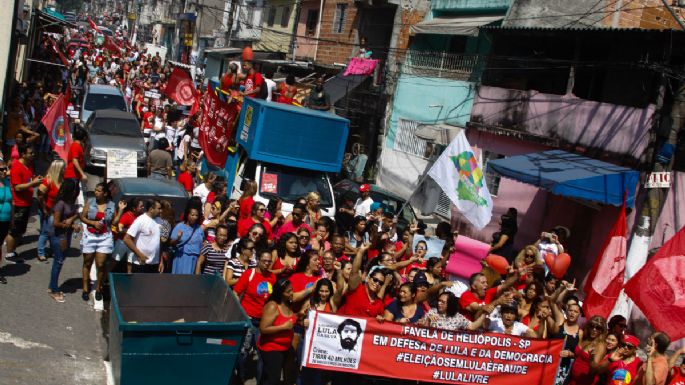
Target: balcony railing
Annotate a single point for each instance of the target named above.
(441, 64)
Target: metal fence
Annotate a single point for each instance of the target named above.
(441, 64)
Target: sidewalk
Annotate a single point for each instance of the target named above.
(42, 341)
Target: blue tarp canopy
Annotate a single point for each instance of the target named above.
(571, 175)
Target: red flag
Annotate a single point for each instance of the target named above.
(56, 121)
(180, 88)
(92, 25)
(605, 281)
(111, 45)
(62, 58)
(217, 128)
(658, 289)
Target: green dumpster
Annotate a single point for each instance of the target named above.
(174, 329)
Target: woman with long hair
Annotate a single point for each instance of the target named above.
(47, 191)
(99, 215)
(242, 259)
(187, 238)
(541, 319)
(128, 212)
(447, 316)
(257, 215)
(569, 329)
(5, 208)
(364, 295)
(304, 239)
(246, 200)
(276, 327)
(285, 256)
(531, 291)
(307, 272)
(166, 220)
(403, 308)
(357, 236)
(64, 213)
(589, 353)
(508, 229)
(321, 299)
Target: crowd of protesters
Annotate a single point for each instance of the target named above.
(282, 266)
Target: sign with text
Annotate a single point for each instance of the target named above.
(658, 180)
(366, 346)
(217, 128)
(153, 94)
(122, 164)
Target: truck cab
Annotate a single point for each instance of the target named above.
(284, 182)
(289, 151)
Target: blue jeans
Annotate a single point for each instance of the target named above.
(43, 237)
(249, 345)
(57, 260)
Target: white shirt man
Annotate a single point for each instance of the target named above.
(144, 236)
(362, 207)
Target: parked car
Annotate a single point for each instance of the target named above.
(102, 97)
(349, 190)
(129, 188)
(113, 130)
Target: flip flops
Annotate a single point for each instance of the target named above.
(57, 296)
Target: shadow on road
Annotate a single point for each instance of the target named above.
(14, 270)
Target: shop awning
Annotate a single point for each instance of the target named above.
(53, 21)
(463, 25)
(571, 175)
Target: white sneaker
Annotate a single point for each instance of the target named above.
(98, 305)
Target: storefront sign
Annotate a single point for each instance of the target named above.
(122, 164)
(365, 346)
(658, 180)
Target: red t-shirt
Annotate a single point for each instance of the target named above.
(186, 180)
(252, 82)
(246, 208)
(468, 297)
(255, 289)
(289, 227)
(632, 367)
(51, 193)
(357, 303)
(245, 224)
(75, 152)
(677, 378)
(300, 283)
(20, 175)
(125, 221)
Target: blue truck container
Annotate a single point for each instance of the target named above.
(170, 329)
(292, 136)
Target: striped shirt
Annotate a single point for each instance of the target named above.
(238, 268)
(214, 259)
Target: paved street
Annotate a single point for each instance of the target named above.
(42, 341)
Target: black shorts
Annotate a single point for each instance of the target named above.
(20, 219)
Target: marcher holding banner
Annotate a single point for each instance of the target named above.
(364, 298)
(363, 345)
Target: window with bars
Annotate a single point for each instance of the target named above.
(492, 179)
(339, 19)
(285, 16)
(249, 14)
(407, 141)
(271, 17)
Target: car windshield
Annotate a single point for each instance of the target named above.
(117, 127)
(104, 102)
(290, 184)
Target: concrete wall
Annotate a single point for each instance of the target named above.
(648, 14)
(609, 128)
(276, 37)
(425, 100)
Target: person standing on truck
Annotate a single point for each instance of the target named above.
(362, 207)
(253, 81)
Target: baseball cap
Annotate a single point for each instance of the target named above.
(364, 188)
(630, 339)
(375, 206)
(420, 279)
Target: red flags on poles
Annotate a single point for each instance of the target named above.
(605, 281)
(217, 129)
(56, 122)
(658, 289)
(180, 88)
(112, 46)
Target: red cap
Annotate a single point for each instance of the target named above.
(630, 339)
(364, 188)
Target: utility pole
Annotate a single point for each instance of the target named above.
(198, 23)
(293, 37)
(231, 16)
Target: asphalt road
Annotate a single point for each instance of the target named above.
(42, 341)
